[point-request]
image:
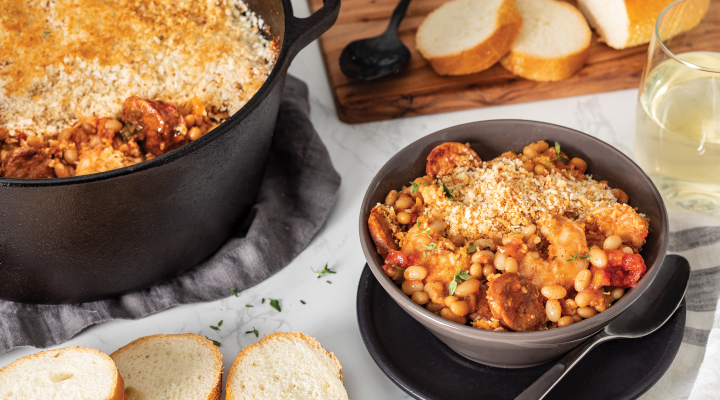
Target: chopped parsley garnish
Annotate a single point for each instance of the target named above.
(303, 301)
(557, 151)
(424, 255)
(431, 246)
(255, 331)
(575, 257)
(215, 342)
(448, 192)
(234, 292)
(415, 186)
(324, 271)
(606, 293)
(275, 304)
(426, 231)
(472, 248)
(461, 276)
(249, 305)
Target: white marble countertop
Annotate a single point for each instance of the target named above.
(358, 152)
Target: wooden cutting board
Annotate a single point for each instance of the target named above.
(417, 90)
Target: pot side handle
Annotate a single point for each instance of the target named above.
(300, 32)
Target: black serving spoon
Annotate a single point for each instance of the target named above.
(379, 56)
(644, 317)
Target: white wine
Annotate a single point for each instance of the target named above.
(677, 131)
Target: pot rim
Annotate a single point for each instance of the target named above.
(441, 326)
(278, 72)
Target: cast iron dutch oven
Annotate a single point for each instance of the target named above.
(98, 236)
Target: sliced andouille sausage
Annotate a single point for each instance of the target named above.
(380, 232)
(516, 302)
(27, 163)
(448, 156)
(158, 126)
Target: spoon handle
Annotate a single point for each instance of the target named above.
(398, 15)
(542, 386)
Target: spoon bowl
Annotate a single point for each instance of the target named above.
(644, 317)
(376, 57)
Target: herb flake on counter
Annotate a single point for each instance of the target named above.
(234, 292)
(328, 281)
(220, 323)
(255, 331)
(275, 304)
(303, 301)
(215, 342)
(461, 276)
(323, 271)
(263, 301)
(249, 305)
(214, 327)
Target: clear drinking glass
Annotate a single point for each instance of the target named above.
(677, 120)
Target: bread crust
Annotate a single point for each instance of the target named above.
(118, 392)
(485, 54)
(544, 69)
(214, 394)
(269, 338)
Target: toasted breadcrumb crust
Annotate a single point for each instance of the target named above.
(64, 59)
(501, 197)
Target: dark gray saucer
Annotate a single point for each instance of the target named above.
(426, 368)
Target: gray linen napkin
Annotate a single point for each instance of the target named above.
(298, 190)
(695, 371)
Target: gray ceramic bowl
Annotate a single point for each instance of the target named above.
(489, 139)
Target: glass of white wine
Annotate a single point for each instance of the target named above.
(677, 120)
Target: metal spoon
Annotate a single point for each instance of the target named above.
(644, 317)
(379, 56)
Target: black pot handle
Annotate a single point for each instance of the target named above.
(300, 32)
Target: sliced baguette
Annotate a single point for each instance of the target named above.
(171, 367)
(287, 365)
(628, 23)
(468, 36)
(553, 44)
(72, 373)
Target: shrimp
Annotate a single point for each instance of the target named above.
(565, 253)
(448, 156)
(620, 220)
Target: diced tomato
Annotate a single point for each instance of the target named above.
(622, 270)
(397, 258)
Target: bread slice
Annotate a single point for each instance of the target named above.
(468, 36)
(71, 373)
(171, 367)
(628, 23)
(554, 41)
(283, 365)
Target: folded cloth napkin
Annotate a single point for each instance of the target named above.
(298, 190)
(695, 372)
